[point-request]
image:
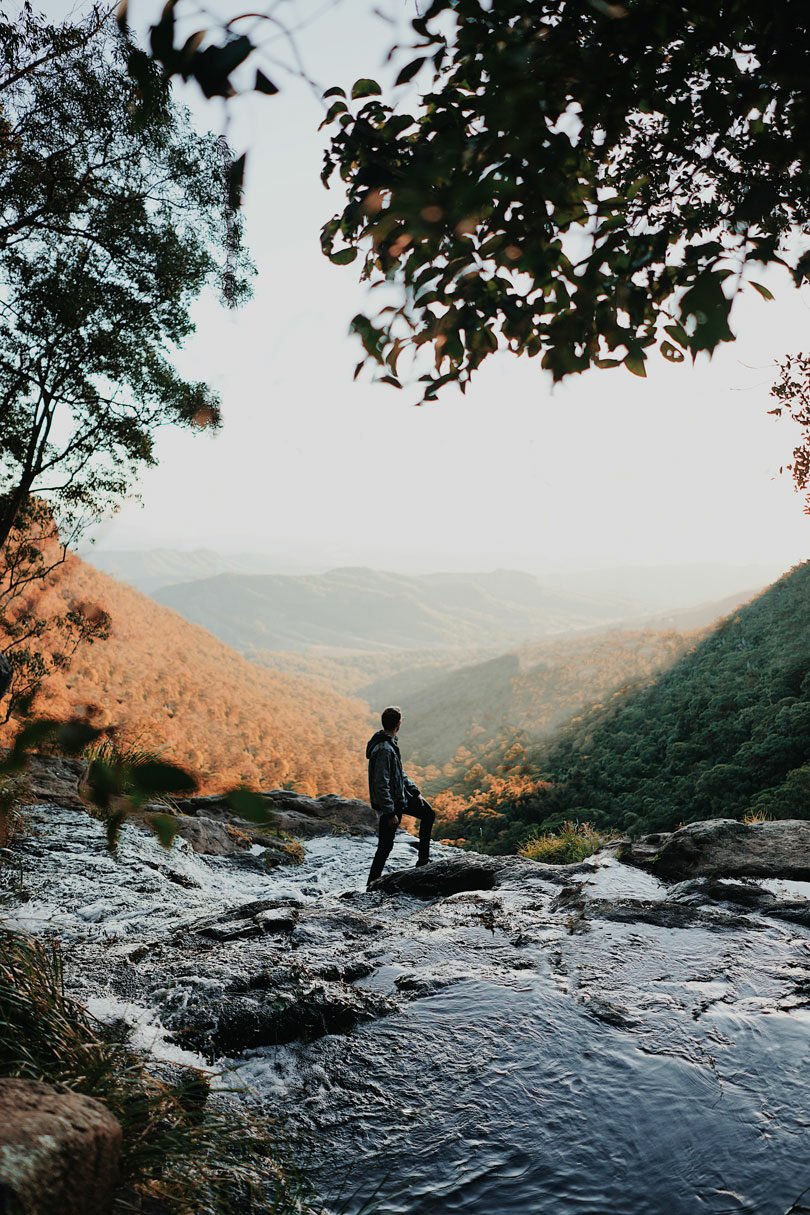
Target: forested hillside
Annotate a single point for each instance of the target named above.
(172, 686)
(725, 732)
(460, 726)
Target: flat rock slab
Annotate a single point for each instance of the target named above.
(725, 847)
(472, 871)
(58, 1151)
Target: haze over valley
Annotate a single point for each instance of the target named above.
(485, 665)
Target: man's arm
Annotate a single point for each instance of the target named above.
(381, 771)
(410, 788)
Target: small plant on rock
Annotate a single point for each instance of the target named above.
(569, 843)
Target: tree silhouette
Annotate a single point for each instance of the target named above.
(114, 219)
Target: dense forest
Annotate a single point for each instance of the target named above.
(461, 725)
(172, 687)
(724, 733)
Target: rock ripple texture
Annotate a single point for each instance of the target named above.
(725, 847)
(58, 1151)
(491, 1036)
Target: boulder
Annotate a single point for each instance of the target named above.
(444, 877)
(54, 780)
(213, 838)
(473, 871)
(725, 847)
(58, 1151)
(274, 1007)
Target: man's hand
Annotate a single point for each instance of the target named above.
(394, 819)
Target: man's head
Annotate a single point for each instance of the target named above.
(391, 719)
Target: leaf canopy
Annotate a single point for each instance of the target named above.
(579, 182)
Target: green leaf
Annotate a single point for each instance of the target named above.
(678, 334)
(164, 826)
(335, 91)
(365, 88)
(343, 257)
(672, 352)
(763, 291)
(264, 84)
(410, 70)
(250, 805)
(157, 776)
(637, 364)
(337, 107)
(389, 379)
(707, 304)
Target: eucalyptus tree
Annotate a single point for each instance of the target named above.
(115, 217)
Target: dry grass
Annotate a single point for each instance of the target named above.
(571, 842)
(187, 1152)
(758, 816)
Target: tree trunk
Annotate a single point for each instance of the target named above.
(10, 506)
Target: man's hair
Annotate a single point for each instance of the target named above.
(391, 717)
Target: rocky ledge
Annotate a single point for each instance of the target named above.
(724, 847)
(294, 813)
(208, 823)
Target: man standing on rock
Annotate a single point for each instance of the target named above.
(392, 794)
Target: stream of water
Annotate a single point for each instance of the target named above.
(534, 1063)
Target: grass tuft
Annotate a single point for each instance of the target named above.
(757, 816)
(184, 1151)
(570, 842)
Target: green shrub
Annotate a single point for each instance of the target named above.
(569, 843)
(186, 1151)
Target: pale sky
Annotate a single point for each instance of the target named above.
(604, 470)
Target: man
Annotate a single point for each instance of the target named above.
(392, 794)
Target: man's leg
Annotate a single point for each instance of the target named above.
(385, 841)
(427, 817)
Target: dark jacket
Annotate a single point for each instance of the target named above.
(388, 786)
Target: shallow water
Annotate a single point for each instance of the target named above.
(539, 1061)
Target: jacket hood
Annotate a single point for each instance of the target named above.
(375, 739)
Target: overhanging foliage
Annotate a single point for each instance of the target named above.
(579, 181)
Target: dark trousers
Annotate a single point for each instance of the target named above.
(388, 828)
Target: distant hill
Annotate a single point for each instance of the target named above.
(465, 722)
(725, 732)
(362, 610)
(701, 615)
(369, 675)
(173, 686)
(149, 569)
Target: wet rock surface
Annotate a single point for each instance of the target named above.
(726, 848)
(491, 1034)
(54, 779)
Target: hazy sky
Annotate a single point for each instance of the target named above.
(607, 469)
